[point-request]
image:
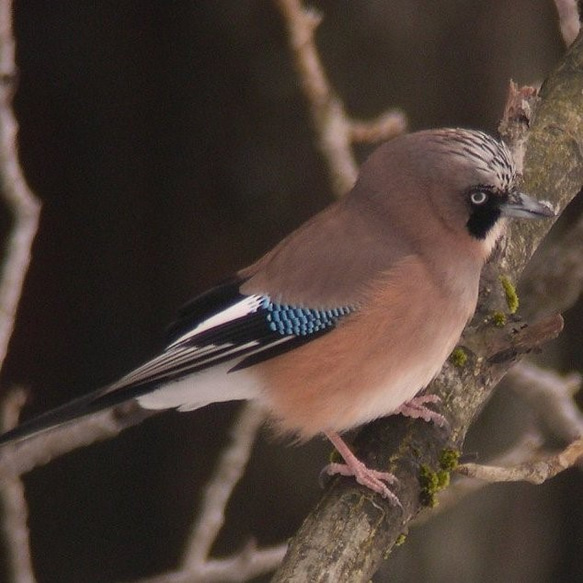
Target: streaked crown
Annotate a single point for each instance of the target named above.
(488, 155)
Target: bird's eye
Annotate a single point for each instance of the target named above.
(479, 197)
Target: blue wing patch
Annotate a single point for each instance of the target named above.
(298, 321)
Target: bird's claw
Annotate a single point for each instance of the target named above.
(372, 479)
(416, 409)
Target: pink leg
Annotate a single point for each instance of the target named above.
(416, 409)
(372, 479)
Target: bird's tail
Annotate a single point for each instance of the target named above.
(94, 402)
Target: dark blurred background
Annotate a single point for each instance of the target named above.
(170, 145)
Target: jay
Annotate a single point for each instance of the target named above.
(351, 315)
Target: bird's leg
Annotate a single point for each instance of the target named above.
(372, 479)
(416, 409)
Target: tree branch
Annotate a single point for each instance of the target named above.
(197, 566)
(19, 458)
(551, 396)
(242, 566)
(461, 487)
(229, 471)
(14, 507)
(20, 200)
(568, 19)
(535, 472)
(25, 210)
(334, 129)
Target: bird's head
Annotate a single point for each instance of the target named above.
(450, 181)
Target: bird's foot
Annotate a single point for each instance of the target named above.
(374, 480)
(416, 409)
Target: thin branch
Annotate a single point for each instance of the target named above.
(462, 487)
(240, 567)
(219, 489)
(19, 198)
(386, 126)
(335, 131)
(25, 210)
(327, 110)
(248, 563)
(535, 472)
(568, 19)
(14, 507)
(518, 111)
(251, 561)
(19, 458)
(551, 396)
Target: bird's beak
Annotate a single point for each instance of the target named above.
(521, 206)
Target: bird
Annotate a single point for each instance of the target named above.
(350, 316)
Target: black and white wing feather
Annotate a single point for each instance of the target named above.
(221, 326)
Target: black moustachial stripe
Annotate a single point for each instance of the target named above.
(482, 220)
(484, 216)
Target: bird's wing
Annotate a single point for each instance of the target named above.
(332, 259)
(219, 326)
(225, 325)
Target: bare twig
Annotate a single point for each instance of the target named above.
(513, 127)
(219, 488)
(20, 200)
(251, 561)
(551, 397)
(334, 129)
(25, 210)
(197, 566)
(388, 125)
(327, 110)
(243, 566)
(568, 19)
(14, 507)
(535, 471)
(22, 457)
(519, 453)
